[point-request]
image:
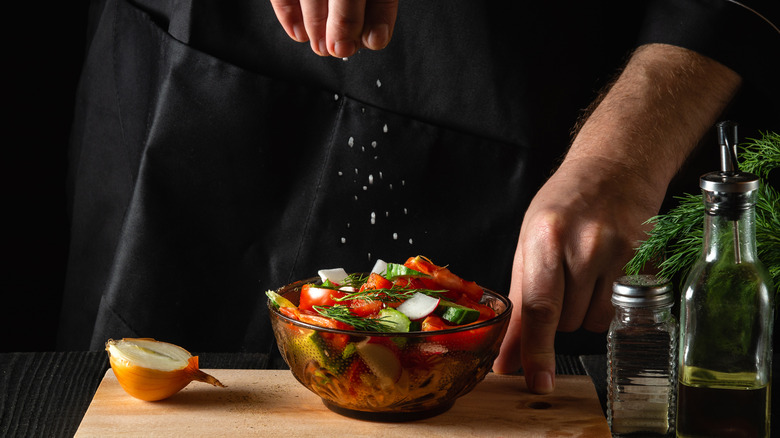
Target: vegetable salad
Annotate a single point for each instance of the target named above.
(414, 296)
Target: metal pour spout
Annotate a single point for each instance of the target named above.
(728, 139)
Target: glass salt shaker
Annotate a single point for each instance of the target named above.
(642, 358)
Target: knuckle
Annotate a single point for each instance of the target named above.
(542, 311)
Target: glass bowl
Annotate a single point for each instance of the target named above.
(389, 376)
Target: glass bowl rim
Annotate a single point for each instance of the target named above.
(486, 323)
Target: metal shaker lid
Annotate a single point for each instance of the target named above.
(642, 291)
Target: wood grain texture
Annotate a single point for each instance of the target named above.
(273, 403)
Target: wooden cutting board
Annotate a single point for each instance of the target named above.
(271, 403)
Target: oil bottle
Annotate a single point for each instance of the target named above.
(726, 313)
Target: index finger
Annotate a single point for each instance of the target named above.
(542, 300)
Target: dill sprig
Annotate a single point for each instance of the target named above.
(341, 313)
(392, 295)
(675, 242)
(355, 280)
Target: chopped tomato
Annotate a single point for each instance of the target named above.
(409, 282)
(433, 323)
(337, 340)
(463, 340)
(316, 296)
(444, 278)
(376, 281)
(290, 312)
(368, 307)
(364, 308)
(323, 321)
(425, 283)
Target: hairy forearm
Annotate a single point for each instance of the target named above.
(655, 113)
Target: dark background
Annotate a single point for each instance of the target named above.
(45, 48)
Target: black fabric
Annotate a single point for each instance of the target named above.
(213, 158)
(742, 35)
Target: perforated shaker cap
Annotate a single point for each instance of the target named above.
(642, 291)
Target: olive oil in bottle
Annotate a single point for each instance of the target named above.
(728, 411)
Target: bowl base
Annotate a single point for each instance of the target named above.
(389, 417)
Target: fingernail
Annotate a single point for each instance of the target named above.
(300, 33)
(542, 383)
(343, 49)
(320, 47)
(378, 37)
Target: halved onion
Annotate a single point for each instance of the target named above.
(151, 370)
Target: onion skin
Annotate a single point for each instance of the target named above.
(151, 384)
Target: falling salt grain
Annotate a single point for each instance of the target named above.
(380, 174)
(387, 214)
(378, 83)
(341, 173)
(365, 187)
(406, 211)
(373, 144)
(347, 224)
(356, 171)
(391, 187)
(410, 241)
(373, 218)
(351, 141)
(355, 197)
(370, 179)
(384, 128)
(344, 59)
(362, 148)
(343, 240)
(335, 97)
(403, 182)
(395, 236)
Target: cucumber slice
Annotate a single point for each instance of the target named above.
(395, 321)
(455, 313)
(394, 271)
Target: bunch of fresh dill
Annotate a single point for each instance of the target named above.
(675, 242)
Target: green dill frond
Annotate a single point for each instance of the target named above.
(355, 280)
(342, 314)
(392, 295)
(761, 156)
(674, 244)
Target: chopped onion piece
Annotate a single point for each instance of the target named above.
(418, 306)
(379, 267)
(336, 275)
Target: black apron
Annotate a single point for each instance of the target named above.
(213, 158)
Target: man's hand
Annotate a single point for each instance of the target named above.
(582, 226)
(338, 27)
